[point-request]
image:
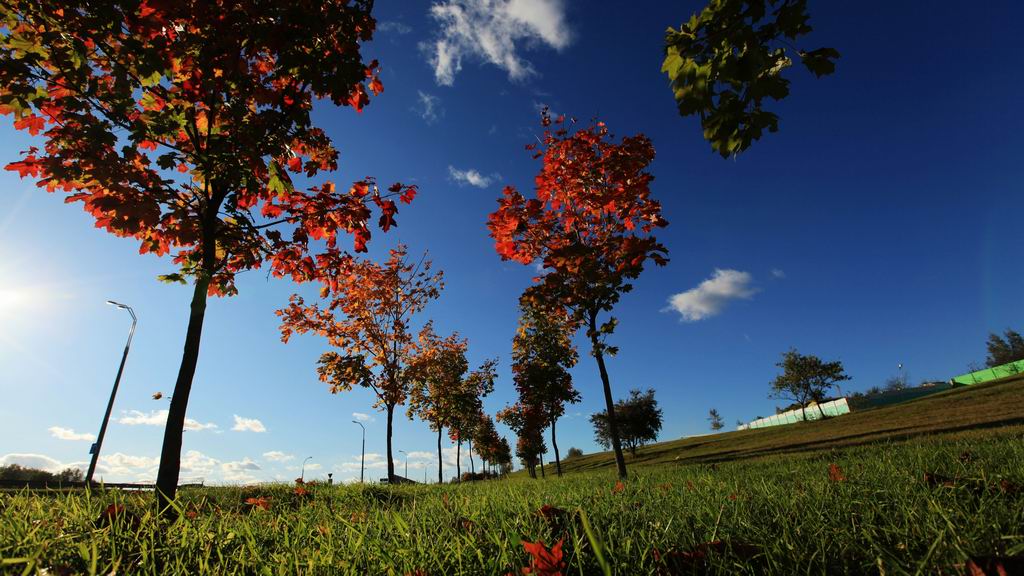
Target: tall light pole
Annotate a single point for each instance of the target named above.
(362, 459)
(302, 475)
(406, 463)
(95, 448)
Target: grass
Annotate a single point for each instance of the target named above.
(875, 511)
(993, 404)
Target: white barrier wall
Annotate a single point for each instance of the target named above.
(813, 411)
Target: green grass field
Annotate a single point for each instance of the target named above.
(868, 495)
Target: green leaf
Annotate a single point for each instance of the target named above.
(820, 61)
(175, 278)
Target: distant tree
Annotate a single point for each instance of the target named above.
(367, 319)
(18, 473)
(640, 420)
(716, 420)
(805, 379)
(467, 408)
(574, 453)
(542, 354)
(896, 383)
(1005, 349)
(177, 124)
(590, 225)
(728, 58)
(435, 374)
(528, 423)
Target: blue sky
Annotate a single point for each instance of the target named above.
(878, 227)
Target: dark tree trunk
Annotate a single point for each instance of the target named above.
(554, 444)
(542, 474)
(613, 428)
(391, 462)
(170, 452)
(458, 460)
(472, 467)
(440, 460)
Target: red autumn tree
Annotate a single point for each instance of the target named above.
(467, 406)
(366, 318)
(590, 225)
(527, 422)
(435, 375)
(177, 124)
(542, 354)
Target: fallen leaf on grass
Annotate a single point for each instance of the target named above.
(665, 487)
(677, 562)
(995, 565)
(619, 487)
(544, 562)
(555, 517)
(117, 512)
(835, 473)
(260, 502)
(465, 524)
(1010, 487)
(976, 486)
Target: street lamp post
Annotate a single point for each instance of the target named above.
(302, 474)
(95, 448)
(406, 462)
(362, 459)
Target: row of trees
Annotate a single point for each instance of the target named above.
(366, 317)
(183, 125)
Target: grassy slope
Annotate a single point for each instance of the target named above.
(993, 404)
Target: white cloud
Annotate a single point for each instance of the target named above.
(429, 107)
(394, 26)
(248, 425)
(362, 417)
(471, 177)
(37, 461)
(240, 470)
(195, 463)
(158, 418)
(277, 456)
(778, 273)
(489, 30)
(711, 296)
(69, 434)
(422, 455)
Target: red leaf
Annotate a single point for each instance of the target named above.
(260, 502)
(835, 473)
(34, 124)
(544, 562)
(295, 164)
(619, 487)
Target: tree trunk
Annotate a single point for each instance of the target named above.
(391, 462)
(472, 467)
(170, 452)
(613, 428)
(532, 470)
(458, 460)
(554, 444)
(542, 474)
(440, 460)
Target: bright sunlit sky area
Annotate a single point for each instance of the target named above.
(878, 227)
